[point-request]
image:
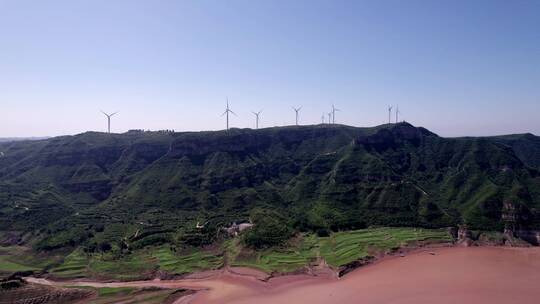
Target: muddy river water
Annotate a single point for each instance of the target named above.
(445, 275)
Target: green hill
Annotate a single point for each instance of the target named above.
(139, 188)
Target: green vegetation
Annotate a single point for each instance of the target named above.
(344, 247)
(271, 229)
(299, 252)
(198, 260)
(8, 266)
(16, 258)
(338, 249)
(297, 255)
(75, 265)
(79, 264)
(136, 265)
(114, 291)
(112, 199)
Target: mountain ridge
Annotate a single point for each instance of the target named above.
(96, 187)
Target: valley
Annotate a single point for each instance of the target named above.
(314, 202)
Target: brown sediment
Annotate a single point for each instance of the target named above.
(31, 293)
(434, 275)
(250, 272)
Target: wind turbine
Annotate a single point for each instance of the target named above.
(397, 113)
(108, 120)
(257, 118)
(322, 118)
(330, 118)
(334, 109)
(389, 114)
(227, 111)
(296, 110)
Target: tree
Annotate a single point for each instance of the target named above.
(270, 229)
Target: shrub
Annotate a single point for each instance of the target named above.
(270, 229)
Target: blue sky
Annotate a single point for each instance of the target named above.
(455, 67)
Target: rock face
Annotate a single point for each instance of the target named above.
(10, 238)
(236, 229)
(453, 231)
(343, 270)
(464, 236)
(531, 236)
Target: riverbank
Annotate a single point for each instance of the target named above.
(434, 275)
(305, 253)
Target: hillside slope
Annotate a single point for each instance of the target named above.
(152, 187)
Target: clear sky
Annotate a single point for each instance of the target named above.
(455, 67)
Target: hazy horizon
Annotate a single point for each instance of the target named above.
(20, 138)
(462, 68)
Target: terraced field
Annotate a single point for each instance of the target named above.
(75, 265)
(282, 259)
(181, 264)
(131, 267)
(337, 250)
(78, 265)
(6, 265)
(16, 258)
(344, 247)
(136, 265)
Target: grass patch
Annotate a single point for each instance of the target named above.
(114, 291)
(8, 266)
(78, 265)
(287, 259)
(186, 263)
(130, 267)
(75, 265)
(18, 258)
(338, 249)
(344, 247)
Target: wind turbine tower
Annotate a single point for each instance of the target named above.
(322, 118)
(389, 114)
(330, 118)
(227, 111)
(296, 110)
(257, 118)
(397, 113)
(109, 120)
(334, 109)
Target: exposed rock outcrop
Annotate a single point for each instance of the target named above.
(464, 236)
(531, 236)
(343, 270)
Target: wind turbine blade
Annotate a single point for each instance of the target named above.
(224, 113)
(233, 112)
(114, 113)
